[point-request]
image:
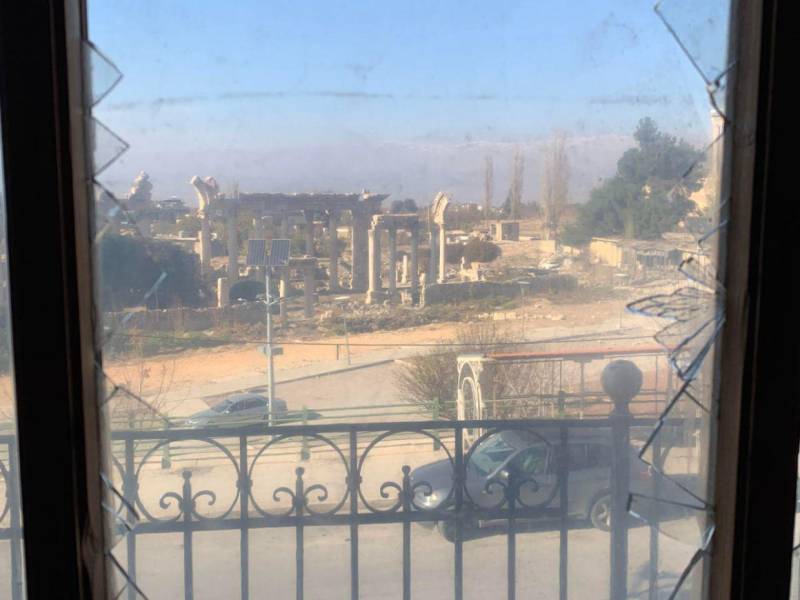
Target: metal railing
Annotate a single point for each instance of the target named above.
(299, 503)
(10, 513)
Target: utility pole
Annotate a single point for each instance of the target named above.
(516, 184)
(489, 188)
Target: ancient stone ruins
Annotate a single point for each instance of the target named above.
(323, 217)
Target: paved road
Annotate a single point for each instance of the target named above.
(330, 384)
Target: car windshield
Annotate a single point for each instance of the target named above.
(495, 452)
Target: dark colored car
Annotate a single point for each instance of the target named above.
(527, 456)
(238, 409)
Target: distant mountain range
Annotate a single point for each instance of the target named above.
(404, 169)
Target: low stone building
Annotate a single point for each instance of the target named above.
(635, 255)
(504, 230)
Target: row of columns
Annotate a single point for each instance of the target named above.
(366, 255)
(358, 245)
(375, 292)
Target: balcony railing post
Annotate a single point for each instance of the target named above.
(12, 491)
(406, 496)
(621, 380)
(299, 505)
(187, 507)
(563, 546)
(130, 491)
(244, 509)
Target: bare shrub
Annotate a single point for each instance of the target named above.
(141, 401)
(430, 380)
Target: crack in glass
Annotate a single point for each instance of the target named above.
(695, 310)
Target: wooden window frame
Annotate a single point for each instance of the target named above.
(42, 95)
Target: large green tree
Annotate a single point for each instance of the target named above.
(129, 266)
(649, 193)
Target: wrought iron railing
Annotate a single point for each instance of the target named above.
(299, 503)
(10, 513)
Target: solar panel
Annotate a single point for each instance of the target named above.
(279, 253)
(256, 253)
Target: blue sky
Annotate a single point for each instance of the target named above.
(403, 97)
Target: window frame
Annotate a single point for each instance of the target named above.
(757, 438)
(50, 288)
(46, 173)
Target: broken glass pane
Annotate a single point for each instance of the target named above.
(684, 519)
(701, 31)
(103, 73)
(358, 338)
(107, 146)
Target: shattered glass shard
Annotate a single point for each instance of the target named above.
(108, 204)
(103, 74)
(701, 31)
(702, 271)
(681, 305)
(697, 559)
(111, 388)
(106, 145)
(686, 522)
(673, 452)
(121, 580)
(690, 341)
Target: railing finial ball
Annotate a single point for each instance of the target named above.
(621, 380)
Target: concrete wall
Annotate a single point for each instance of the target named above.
(191, 319)
(544, 246)
(439, 293)
(606, 251)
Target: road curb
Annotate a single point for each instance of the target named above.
(260, 388)
(375, 363)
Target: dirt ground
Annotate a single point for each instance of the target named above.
(147, 376)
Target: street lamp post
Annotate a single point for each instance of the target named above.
(340, 299)
(278, 257)
(269, 353)
(522, 285)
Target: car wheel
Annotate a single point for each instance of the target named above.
(600, 513)
(448, 529)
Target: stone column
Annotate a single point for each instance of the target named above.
(205, 245)
(414, 279)
(233, 246)
(223, 292)
(283, 291)
(309, 288)
(433, 263)
(404, 269)
(442, 254)
(333, 251)
(392, 261)
(374, 290)
(309, 215)
(359, 252)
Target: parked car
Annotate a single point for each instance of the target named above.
(528, 456)
(238, 409)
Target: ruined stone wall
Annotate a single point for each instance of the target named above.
(191, 319)
(439, 293)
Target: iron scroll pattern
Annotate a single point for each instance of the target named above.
(354, 497)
